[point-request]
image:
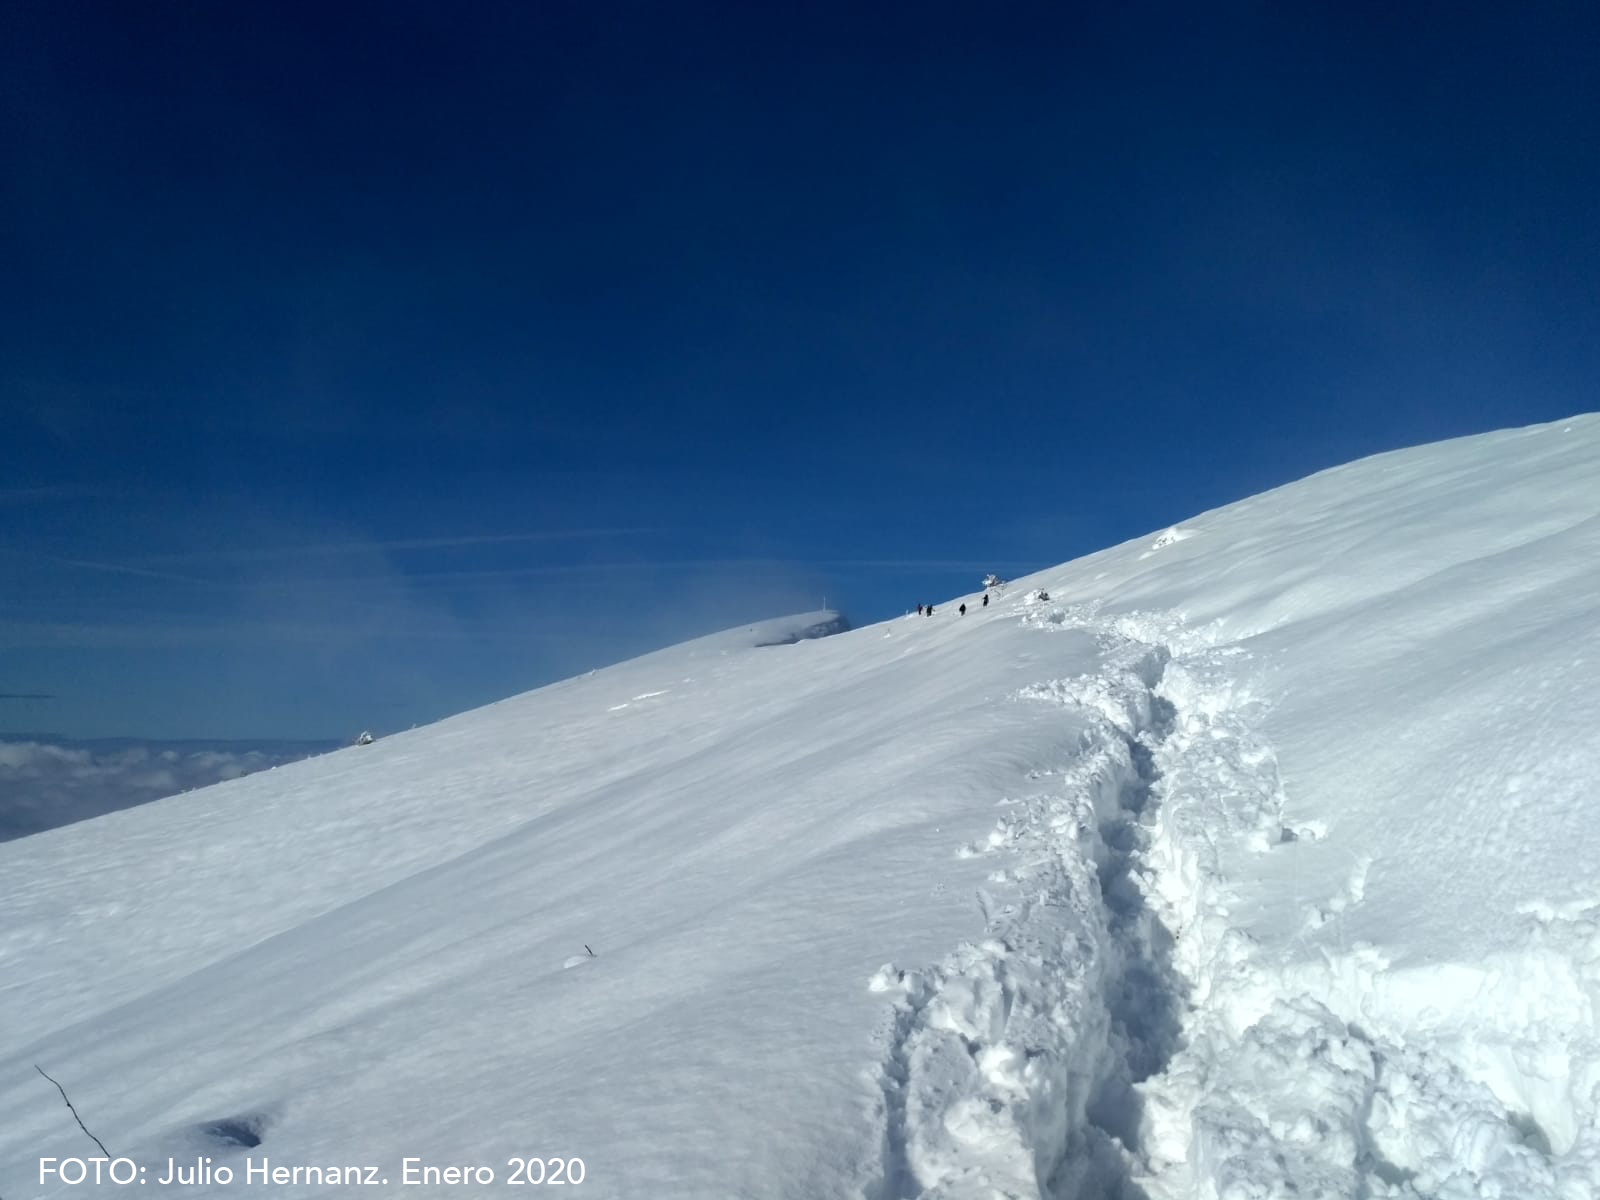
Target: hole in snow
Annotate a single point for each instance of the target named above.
(1533, 1134)
(1387, 1171)
(242, 1131)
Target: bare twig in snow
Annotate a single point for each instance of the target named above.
(74, 1112)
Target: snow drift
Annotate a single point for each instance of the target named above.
(1258, 861)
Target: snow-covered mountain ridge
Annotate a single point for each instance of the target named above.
(1257, 860)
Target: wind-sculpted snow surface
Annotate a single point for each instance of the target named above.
(1258, 862)
(1303, 1076)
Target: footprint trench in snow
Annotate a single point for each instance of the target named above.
(1013, 1065)
(1114, 1036)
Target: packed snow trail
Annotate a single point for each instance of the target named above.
(1014, 1065)
(1260, 862)
(1012, 1062)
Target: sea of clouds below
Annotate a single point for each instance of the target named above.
(46, 782)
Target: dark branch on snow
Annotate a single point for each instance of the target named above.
(74, 1112)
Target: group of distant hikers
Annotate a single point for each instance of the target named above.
(926, 610)
(989, 581)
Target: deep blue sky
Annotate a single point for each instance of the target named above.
(363, 362)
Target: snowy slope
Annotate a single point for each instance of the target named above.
(1258, 860)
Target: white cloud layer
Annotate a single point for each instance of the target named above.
(48, 783)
